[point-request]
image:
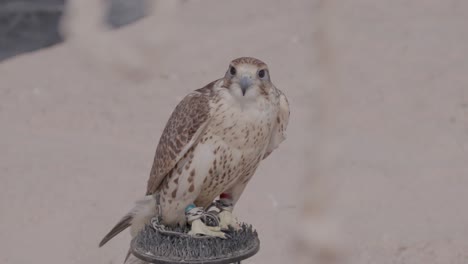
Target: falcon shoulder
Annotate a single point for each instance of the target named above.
(281, 123)
(183, 130)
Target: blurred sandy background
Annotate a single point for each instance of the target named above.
(377, 141)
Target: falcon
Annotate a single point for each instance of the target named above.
(211, 147)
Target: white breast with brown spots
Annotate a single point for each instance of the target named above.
(226, 156)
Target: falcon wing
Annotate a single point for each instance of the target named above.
(184, 128)
(282, 120)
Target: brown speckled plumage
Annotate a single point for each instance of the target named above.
(249, 60)
(184, 122)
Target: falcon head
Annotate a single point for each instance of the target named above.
(247, 77)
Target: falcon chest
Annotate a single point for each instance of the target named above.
(238, 136)
(243, 127)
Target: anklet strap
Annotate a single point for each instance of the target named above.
(224, 204)
(195, 213)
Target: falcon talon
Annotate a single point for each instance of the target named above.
(199, 228)
(227, 220)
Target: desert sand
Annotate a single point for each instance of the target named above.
(379, 114)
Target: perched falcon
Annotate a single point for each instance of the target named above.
(212, 145)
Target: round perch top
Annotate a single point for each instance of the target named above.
(177, 246)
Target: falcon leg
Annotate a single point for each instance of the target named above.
(226, 218)
(198, 227)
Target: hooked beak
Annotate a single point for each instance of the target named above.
(245, 82)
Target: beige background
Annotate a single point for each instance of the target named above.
(379, 127)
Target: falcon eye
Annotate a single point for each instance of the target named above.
(232, 70)
(261, 73)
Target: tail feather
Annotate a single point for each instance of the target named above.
(125, 222)
(137, 218)
(128, 255)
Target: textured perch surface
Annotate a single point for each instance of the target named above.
(155, 247)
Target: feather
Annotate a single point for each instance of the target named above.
(119, 227)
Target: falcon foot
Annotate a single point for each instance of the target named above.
(203, 223)
(227, 220)
(200, 229)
